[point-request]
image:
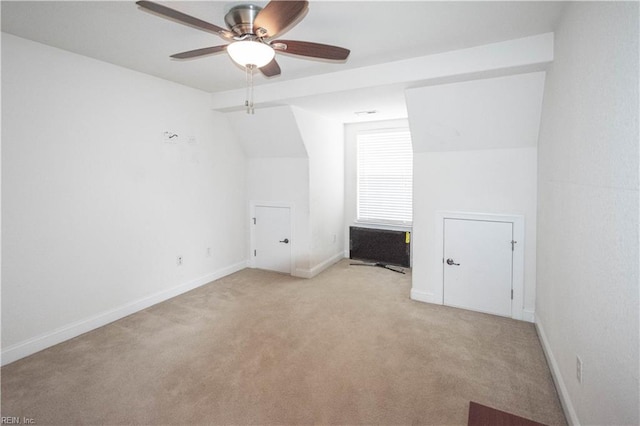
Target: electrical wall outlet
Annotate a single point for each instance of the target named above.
(179, 261)
(578, 369)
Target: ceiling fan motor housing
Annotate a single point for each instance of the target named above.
(240, 19)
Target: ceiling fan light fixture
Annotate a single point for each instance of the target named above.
(249, 52)
(250, 27)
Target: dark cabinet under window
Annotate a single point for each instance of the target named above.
(380, 245)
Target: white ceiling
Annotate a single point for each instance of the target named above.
(120, 33)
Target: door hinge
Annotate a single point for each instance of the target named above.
(513, 244)
(511, 294)
(255, 253)
(254, 220)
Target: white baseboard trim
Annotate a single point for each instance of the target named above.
(529, 316)
(423, 296)
(301, 273)
(69, 331)
(310, 273)
(563, 393)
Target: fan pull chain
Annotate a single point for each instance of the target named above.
(249, 101)
(246, 74)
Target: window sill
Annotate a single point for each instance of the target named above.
(382, 225)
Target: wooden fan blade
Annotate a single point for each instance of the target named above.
(314, 50)
(278, 15)
(271, 69)
(183, 18)
(200, 52)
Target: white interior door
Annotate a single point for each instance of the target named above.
(478, 262)
(272, 238)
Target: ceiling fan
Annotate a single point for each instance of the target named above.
(251, 31)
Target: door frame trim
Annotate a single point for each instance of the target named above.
(252, 237)
(517, 304)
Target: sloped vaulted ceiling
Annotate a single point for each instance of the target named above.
(270, 133)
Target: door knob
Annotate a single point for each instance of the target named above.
(451, 262)
(286, 241)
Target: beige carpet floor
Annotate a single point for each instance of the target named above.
(347, 347)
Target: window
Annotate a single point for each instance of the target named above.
(385, 176)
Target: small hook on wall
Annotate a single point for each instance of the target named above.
(169, 137)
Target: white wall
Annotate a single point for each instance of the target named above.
(269, 133)
(587, 301)
(95, 206)
(284, 180)
(324, 141)
(492, 113)
(278, 170)
(296, 158)
(501, 181)
(474, 151)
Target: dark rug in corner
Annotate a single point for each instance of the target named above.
(480, 415)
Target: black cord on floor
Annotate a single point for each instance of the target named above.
(380, 265)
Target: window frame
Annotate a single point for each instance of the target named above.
(383, 222)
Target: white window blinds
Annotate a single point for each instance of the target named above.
(385, 176)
